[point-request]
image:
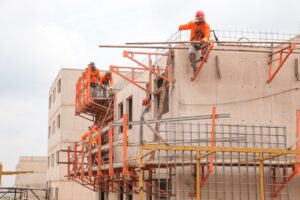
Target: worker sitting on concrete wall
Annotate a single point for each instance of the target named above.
(200, 31)
(105, 83)
(94, 79)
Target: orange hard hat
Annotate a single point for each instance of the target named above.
(199, 15)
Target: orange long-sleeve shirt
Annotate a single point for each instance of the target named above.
(105, 81)
(93, 76)
(88, 133)
(85, 135)
(197, 31)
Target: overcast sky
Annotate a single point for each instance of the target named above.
(38, 37)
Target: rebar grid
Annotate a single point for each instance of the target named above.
(234, 175)
(240, 35)
(172, 174)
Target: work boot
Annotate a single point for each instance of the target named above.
(192, 58)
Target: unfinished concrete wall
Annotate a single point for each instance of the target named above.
(242, 91)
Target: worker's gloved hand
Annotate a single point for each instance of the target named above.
(204, 40)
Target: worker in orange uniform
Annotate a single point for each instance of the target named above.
(94, 79)
(93, 140)
(92, 129)
(105, 82)
(86, 134)
(200, 32)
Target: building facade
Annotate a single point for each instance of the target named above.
(64, 128)
(35, 180)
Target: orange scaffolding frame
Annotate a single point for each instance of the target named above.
(281, 59)
(158, 72)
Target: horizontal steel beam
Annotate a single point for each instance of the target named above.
(169, 120)
(219, 149)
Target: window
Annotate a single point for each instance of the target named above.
(58, 121)
(129, 110)
(57, 157)
(160, 107)
(52, 160)
(102, 196)
(49, 132)
(54, 94)
(56, 193)
(59, 86)
(50, 99)
(120, 114)
(53, 127)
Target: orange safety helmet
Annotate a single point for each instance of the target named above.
(199, 15)
(146, 102)
(95, 126)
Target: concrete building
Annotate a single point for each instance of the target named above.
(64, 128)
(234, 79)
(35, 180)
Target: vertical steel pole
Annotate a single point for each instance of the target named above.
(110, 139)
(297, 167)
(141, 177)
(99, 171)
(261, 175)
(82, 159)
(69, 160)
(90, 162)
(75, 160)
(198, 176)
(212, 144)
(125, 122)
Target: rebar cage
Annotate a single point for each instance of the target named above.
(224, 175)
(185, 158)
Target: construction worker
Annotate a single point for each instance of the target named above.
(94, 79)
(93, 140)
(92, 129)
(86, 134)
(105, 82)
(200, 32)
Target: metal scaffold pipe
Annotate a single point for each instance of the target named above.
(185, 48)
(140, 47)
(219, 42)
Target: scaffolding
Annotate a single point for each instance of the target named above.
(191, 160)
(96, 109)
(23, 193)
(184, 157)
